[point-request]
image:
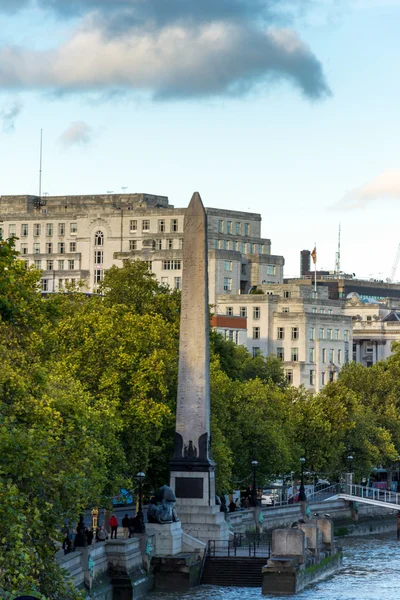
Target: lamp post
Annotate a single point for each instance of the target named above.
(302, 492)
(140, 520)
(349, 476)
(350, 459)
(254, 465)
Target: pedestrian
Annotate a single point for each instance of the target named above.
(102, 534)
(89, 536)
(114, 526)
(398, 524)
(131, 526)
(232, 506)
(67, 544)
(125, 525)
(246, 504)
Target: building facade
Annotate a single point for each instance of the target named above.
(309, 332)
(77, 238)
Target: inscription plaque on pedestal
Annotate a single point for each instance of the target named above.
(186, 487)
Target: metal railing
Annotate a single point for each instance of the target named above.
(240, 546)
(360, 491)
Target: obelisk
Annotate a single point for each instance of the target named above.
(192, 468)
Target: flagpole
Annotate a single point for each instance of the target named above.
(315, 270)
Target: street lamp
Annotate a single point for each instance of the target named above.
(140, 520)
(302, 492)
(350, 461)
(254, 465)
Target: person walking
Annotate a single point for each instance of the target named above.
(114, 526)
(125, 525)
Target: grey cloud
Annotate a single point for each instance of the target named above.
(13, 6)
(78, 133)
(8, 116)
(215, 59)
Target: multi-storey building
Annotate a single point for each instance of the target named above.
(309, 332)
(73, 238)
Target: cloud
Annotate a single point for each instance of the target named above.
(168, 49)
(77, 134)
(9, 114)
(384, 187)
(214, 59)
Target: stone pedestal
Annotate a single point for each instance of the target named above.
(204, 522)
(168, 538)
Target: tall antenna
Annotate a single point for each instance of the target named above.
(40, 163)
(337, 261)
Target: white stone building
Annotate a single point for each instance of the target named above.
(73, 238)
(311, 335)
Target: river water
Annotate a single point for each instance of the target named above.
(371, 571)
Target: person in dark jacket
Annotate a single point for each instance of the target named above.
(131, 526)
(89, 536)
(67, 544)
(125, 525)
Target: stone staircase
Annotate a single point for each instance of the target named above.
(233, 571)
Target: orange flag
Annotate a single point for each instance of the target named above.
(314, 255)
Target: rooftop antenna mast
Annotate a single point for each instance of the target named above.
(40, 163)
(337, 261)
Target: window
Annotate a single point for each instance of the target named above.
(71, 264)
(295, 354)
(226, 245)
(331, 355)
(289, 377)
(329, 334)
(24, 249)
(229, 227)
(72, 246)
(61, 229)
(1, 233)
(285, 309)
(243, 311)
(369, 318)
(346, 356)
(45, 285)
(98, 239)
(243, 248)
(324, 355)
(132, 225)
(256, 351)
(312, 377)
(256, 333)
(280, 353)
(227, 284)
(170, 244)
(49, 247)
(61, 265)
(73, 228)
(238, 228)
(312, 333)
(220, 227)
(312, 355)
(314, 310)
(271, 270)
(157, 244)
(12, 229)
(247, 229)
(60, 284)
(26, 264)
(36, 229)
(346, 335)
(49, 229)
(169, 265)
(280, 333)
(323, 378)
(295, 333)
(243, 268)
(38, 264)
(149, 264)
(329, 311)
(251, 247)
(229, 311)
(178, 283)
(331, 377)
(174, 225)
(228, 265)
(181, 243)
(145, 225)
(236, 246)
(164, 280)
(161, 226)
(98, 275)
(61, 247)
(321, 333)
(286, 294)
(24, 230)
(339, 357)
(322, 311)
(132, 244)
(337, 334)
(256, 312)
(98, 257)
(49, 265)
(36, 248)
(220, 244)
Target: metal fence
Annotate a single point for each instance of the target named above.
(240, 546)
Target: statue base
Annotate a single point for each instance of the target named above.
(167, 538)
(204, 522)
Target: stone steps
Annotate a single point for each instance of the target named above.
(233, 571)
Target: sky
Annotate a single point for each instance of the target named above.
(288, 108)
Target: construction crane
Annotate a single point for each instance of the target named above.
(395, 264)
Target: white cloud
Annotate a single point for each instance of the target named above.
(78, 133)
(384, 187)
(9, 114)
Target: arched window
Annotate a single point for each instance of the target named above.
(99, 238)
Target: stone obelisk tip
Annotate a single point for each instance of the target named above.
(195, 204)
